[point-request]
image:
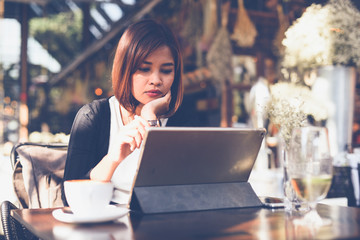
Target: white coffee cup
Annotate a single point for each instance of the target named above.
(87, 197)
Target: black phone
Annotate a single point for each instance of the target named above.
(272, 202)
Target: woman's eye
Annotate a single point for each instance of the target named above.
(144, 69)
(166, 71)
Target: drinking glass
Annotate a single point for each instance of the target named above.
(310, 168)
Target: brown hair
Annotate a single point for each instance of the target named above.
(137, 42)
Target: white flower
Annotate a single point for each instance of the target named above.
(290, 105)
(323, 35)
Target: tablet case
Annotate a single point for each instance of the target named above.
(183, 184)
(196, 197)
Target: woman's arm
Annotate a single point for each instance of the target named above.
(128, 138)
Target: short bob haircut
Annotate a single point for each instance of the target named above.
(137, 42)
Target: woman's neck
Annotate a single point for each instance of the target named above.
(126, 116)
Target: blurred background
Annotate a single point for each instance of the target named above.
(56, 55)
(247, 63)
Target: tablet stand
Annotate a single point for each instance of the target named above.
(194, 197)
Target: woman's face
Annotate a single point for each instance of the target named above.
(154, 77)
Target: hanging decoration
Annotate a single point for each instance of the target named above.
(193, 25)
(193, 28)
(210, 22)
(244, 30)
(219, 57)
(284, 24)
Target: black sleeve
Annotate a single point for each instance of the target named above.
(89, 139)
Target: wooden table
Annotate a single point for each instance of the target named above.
(246, 223)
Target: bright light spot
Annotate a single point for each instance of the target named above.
(10, 45)
(6, 100)
(95, 32)
(39, 56)
(99, 19)
(13, 125)
(98, 91)
(129, 2)
(9, 42)
(113, 11)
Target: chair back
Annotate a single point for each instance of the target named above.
(12, 229)
(38, 171)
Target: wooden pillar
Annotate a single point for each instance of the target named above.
(226, 105)
(24, 111)
(260, 64)
(85, 7)
(2, 91)
(2, 8)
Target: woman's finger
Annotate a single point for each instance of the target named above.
(136, 135)
(132, 141)
(144, 124)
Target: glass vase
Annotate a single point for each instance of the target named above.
(291, 202)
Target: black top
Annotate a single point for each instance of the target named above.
(89, 139)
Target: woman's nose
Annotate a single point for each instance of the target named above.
(155, 78)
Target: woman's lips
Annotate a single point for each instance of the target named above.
(154, 93)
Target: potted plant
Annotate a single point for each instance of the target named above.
(326, 40)
(322, 36)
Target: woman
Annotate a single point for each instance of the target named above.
(106, 134)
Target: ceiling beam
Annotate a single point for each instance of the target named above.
(40, 2)
(96, 46)
(44, 2)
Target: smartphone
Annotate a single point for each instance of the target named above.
(272, 202)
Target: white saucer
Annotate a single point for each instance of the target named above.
(108, 214)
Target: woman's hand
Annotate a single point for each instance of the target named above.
(154, 109)
(129, 138)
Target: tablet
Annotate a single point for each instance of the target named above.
(192, 155)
